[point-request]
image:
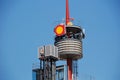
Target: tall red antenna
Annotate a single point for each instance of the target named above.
(67, 12)
(69, 61)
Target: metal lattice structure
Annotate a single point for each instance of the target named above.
(47, 55)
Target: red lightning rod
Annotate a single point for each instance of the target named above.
(67, 12)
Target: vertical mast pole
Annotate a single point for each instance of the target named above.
(69, 61)
(69, 64)
(67, 12)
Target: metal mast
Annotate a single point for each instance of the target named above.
(67, 12)
(69, 61)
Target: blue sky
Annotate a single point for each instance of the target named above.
(27, 24)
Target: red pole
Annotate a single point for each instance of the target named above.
(69, 64)
(67, 12)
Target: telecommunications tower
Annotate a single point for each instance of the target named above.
(69, 41)
(67, 46)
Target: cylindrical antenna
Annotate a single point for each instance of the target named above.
(69, 61)
(67, 12)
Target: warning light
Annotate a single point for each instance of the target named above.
(69, 24)
(59, 30)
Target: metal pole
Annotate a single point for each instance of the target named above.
(67, 12)
(44, 65)
(51, 69)
(40, 71)
(69, 64)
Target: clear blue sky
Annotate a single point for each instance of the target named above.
(27, 24)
